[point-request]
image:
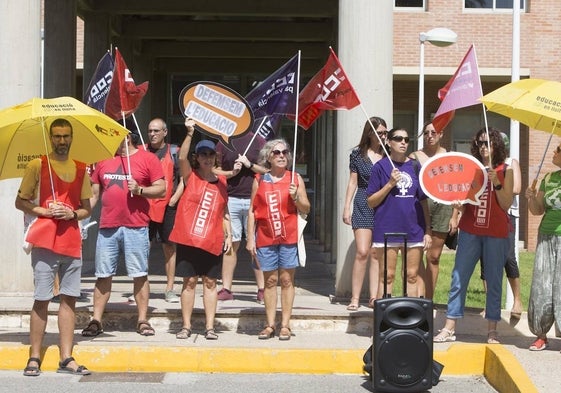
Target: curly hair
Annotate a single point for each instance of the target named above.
(497, 142)
(364, 143)
(266, 150)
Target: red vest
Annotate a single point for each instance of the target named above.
(276, 215)
(158, 206)
(200, 214)
(488, 218)
(60, 236)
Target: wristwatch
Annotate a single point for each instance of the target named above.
(498, 187)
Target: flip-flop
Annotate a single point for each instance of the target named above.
(32, 371)
(64, 369)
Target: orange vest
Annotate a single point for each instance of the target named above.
(158, 206)
(276, 215)
(200, 214)
(60, 236)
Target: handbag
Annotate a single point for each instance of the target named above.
(451, 240)
(301, 245)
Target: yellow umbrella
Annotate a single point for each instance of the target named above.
(24, 131)
(534, 102)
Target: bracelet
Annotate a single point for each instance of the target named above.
(188, 135)
(140, 190)
(251, 165)
(74, 214)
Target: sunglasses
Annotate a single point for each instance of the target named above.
(427, 133)
(380, 133)
(400, 139)
(284, 152)
(481, 143)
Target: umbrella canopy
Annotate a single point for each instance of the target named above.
(24, 133)
(534, 102)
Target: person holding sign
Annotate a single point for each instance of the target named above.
(440, 215)
(544, 304)
(362, 159)
(202, 230)
(484, 230)
(277, 197)
(400, 205)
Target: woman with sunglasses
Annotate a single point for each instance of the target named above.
(202, 230)
(442, 222)
(544, 305)
(272, 229)
(362, 159)
(484, 230)
(399, 206)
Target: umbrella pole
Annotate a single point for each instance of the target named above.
(543, 158)
(48, 160)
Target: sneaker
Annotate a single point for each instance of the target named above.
(171, 297)
(225, 294)
(260, 296)
(539, 345)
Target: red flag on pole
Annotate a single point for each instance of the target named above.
(124, 96)
(463, 89)
(329, 89)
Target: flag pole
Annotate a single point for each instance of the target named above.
(296, 120)
(377, 136)
(139, 132)
(254, 135)
(127, 147)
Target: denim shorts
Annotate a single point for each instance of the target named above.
(239, 210)
(46, 264)
(282, 256)
(112, 242)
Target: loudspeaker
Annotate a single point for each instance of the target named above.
(402, 345)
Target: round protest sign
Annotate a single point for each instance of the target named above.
(218, 110)
(453, 176)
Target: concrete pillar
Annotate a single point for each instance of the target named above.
(20, 80)
(60, 48)
(365, 51)
(96, 42)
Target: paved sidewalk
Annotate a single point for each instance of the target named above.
(327, 339)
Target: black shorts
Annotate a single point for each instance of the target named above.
(163, 229)
(193, 261)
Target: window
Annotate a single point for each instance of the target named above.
(493, 4)
(409, 4)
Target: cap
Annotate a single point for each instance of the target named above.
(205, 144)
(506, 140)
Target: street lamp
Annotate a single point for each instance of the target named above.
(439, 36)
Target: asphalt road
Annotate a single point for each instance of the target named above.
(48, 382)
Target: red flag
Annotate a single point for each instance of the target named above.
(124, 95)
(463, 89)
(329, 89)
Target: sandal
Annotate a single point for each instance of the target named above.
(267, 333)
(183, 333)
(444, 335)
(285, 333)
(539, 345)
(371, 302)
(352, 307)
(210, 334)
(64, 369)
(32, 371)
(93, 329)
(493, 337)
(145, 329)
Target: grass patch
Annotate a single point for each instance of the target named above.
(476, 293)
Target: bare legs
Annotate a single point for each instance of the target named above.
(364, 251)
(286, 278)
(188, 300)
(102, 292)
(169, 256)
(433, 261)
(229, 263)
(414, 256)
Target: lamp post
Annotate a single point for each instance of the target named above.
(438, 36)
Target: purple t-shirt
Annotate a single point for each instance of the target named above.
(401, 210)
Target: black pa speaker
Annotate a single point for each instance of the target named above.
(402, 345)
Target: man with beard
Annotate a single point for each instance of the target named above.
(55, 190)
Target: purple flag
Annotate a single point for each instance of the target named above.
(274, 97)
(98, 90)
